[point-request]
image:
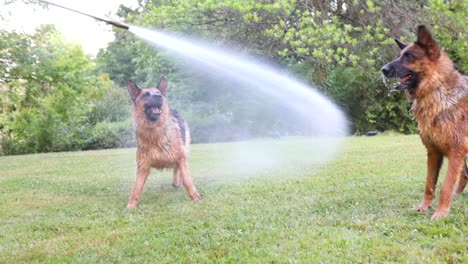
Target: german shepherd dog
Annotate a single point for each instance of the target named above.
(439, 96)
(163, 139)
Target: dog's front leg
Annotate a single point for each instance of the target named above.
(434, 162)
(446, 193)
(142, 175)
(187, 180)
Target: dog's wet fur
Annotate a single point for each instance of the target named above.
(439, 97)
(163, 139)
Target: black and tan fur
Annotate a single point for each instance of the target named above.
(439, 96)
(163, 139)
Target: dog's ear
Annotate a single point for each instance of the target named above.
(401, 44)
(427, 42)
(133, 90)
(162, 86)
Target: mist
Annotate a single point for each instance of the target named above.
(312, 120)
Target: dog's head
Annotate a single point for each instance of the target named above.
(414, 61)
(150, 101)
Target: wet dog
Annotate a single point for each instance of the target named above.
(163, 139)
(439, 96)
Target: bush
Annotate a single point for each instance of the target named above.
(367, 102)
(107, 135)
(99, 121)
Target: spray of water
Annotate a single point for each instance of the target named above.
(323, 119)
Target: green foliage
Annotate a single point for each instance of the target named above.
(54, 98)
(53, 101)
(368, 102)
(117, 60)
(338, 46)
(449, 19)
(106, 135)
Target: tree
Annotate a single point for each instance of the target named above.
(319, 41)
(448, 20)
(311, 38)
(52, 97)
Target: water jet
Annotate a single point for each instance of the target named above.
(298, 103)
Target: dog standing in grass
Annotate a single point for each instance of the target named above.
(439, 96)
(163, 139)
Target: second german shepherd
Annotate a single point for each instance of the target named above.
(439, 96)
(163, 139)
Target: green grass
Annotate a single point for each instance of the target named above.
(283, 206)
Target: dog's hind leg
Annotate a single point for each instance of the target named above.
(176, 178)
(434, 162)
(463, 178)
(142, 175)
(187, 180)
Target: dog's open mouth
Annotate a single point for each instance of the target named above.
(403, 80)
(153, 111)
(406, 81)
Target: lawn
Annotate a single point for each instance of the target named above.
(264, 201)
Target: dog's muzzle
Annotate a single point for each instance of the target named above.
(153, 107)
(389, 71)
(405, 79)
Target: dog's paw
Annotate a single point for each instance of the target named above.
(131, 205)
(195, 196)
(439, 214)
(423, 207)
(176, 180)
